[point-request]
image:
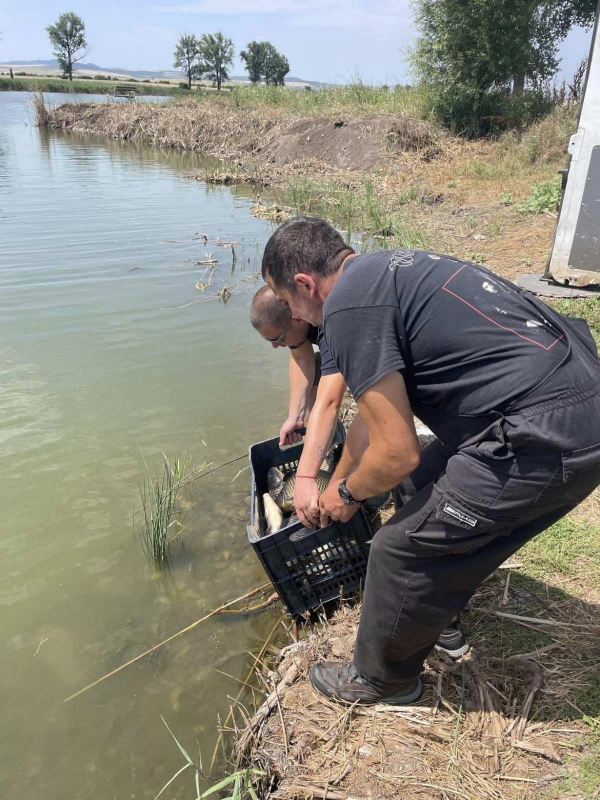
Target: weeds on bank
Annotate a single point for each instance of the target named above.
(359, 209)
(240, 783)
(545, 196)
(356, 97)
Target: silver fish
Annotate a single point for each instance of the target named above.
(273, 514)
(281, 483)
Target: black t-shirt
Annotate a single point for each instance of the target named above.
(315, 336)
(467, 342)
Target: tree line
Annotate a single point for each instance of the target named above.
(473, 55)
(208, 56)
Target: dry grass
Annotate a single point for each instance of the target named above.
(215, 127)
(503, 723)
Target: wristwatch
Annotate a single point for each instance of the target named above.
(346, 495)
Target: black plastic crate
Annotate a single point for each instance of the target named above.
(307, 567)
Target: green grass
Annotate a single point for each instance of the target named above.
(358, 210)
(80, 86)
(588, 308)
(354, 98)
(567, 547)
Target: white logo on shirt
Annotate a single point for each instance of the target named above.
(401, 258)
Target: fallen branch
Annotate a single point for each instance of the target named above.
(269, 704)
(541, 620)
(170, 639)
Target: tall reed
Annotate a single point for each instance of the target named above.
(42, 115)
(159, 493)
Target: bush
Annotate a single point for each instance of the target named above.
(183, 85)
(545, 196)
(467, 115)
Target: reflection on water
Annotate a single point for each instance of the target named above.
(105, 356)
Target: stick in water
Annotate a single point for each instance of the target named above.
(170, 639)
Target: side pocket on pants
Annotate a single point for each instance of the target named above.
(453, 525)
(581, 470)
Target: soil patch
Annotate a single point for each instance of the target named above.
(356, 144)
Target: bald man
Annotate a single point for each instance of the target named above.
(316, 392)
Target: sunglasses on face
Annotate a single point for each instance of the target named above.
(281, 335)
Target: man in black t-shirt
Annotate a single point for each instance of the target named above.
(509, 386)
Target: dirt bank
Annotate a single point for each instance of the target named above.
(220, 129)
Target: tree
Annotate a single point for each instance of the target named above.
(186, 55)
(265, 62)
(254, 57)
(68, 38)
(483, 44)
(276, 66)
(216, 54)
(544, 24)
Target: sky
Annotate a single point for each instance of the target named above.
(324, 40)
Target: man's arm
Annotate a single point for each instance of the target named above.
(301, 376)
(319, 432)
(393, 451)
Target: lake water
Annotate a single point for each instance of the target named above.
(106, 359)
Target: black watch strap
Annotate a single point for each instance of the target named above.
(346, 495)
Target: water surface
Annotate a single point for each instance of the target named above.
(105, 357)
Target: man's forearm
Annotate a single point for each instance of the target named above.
(378, 471)
(319, 432)
(300, 386)
(357, 441)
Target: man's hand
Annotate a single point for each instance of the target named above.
(306, 500)
(332, 507)
(289, 431)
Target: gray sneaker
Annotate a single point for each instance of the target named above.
(342, 681)
(453, 641)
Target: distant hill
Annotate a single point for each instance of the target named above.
(52, 64)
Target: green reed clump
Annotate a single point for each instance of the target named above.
(159, 493)
(241, 784)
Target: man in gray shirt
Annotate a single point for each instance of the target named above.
(509, 386)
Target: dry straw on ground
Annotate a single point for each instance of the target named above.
(490, 727)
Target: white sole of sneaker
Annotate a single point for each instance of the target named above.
(460, 651)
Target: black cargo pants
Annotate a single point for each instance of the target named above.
(470, 510)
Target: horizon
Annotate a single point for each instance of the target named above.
(347, 39)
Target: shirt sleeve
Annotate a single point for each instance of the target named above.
(328, 365)
(366, 344)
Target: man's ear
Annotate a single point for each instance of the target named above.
(306, 282)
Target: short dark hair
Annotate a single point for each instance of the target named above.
(266, 309)
(303, 244)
